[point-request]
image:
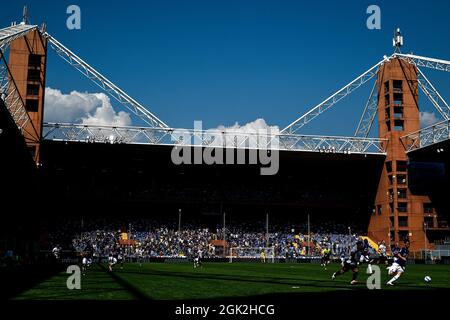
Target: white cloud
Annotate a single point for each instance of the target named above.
(82, 107)
(258, 133)
(252, 134)
(428, 119)
(257, 126)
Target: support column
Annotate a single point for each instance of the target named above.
(396, 210)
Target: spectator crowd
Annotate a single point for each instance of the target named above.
(149, 239)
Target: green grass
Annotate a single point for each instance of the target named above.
(161, 281)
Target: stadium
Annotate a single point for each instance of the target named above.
(111, 202)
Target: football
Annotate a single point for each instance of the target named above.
(427, 279)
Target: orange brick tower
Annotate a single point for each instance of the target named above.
(398, 214)
(27, 63)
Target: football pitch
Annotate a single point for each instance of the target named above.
(166, 281)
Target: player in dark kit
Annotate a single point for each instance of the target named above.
(120, 259)
(365, 257)
(399, 265)
(351, 263)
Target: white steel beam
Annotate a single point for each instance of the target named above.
(369, 113)
(427, 136)
(419, 61)
(433, 95)
(9, 34)
(333, 99)
(109, 87)
(13, 101)
(212, 139)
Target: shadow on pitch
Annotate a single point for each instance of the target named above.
(266, 280)
(136, 292)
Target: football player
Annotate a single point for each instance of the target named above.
(198, 259)
(399, 265)
(57, 252)
(325, 258)
(112, 261)
(351, 263)
(120, 259)
(84, 264)
(382, 253)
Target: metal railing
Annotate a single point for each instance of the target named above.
(429, 255)
(9, 34)
(427, 136)
(212, 138)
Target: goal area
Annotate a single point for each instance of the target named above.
(262, 254)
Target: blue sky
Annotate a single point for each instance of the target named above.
(235, 61)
